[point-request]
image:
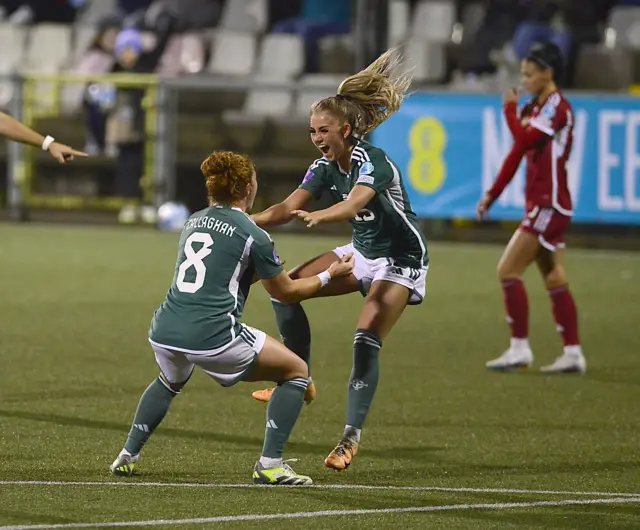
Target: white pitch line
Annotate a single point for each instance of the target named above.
(328, 513)
(315, 486)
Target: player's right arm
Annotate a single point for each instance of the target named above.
(288, 291)
(19, 132)
(313, 184)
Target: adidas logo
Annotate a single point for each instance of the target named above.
(141, 426)
(271, 425)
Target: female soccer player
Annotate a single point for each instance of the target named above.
(18, 132)
(219, 253)
(544, 134)
(390, 250)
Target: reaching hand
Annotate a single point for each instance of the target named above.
(63, 153)
(510, 96)
(311, 219)
(342, 267)
(483, 207)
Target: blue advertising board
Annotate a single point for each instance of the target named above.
(450, 148)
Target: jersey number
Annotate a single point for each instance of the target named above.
(194, 259)
(365, 215)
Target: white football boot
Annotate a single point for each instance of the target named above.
(572, 361)
(519, 355)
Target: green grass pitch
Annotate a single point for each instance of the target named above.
(75, 305)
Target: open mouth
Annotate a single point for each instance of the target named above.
(324, 148)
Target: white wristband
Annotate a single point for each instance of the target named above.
(325, 278)
(47, 143)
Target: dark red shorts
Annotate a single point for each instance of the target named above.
(548, 225)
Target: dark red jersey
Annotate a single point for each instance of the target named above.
(545, 138)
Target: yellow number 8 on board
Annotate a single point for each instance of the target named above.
(427, 169)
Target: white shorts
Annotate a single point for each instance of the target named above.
(226, 365)
(368, 271)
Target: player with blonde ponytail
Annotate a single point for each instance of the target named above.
(390, 251)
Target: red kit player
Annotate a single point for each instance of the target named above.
(543, 134)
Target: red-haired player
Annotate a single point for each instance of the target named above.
(543, 133)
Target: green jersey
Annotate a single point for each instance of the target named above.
(387, 226)
(219, 252)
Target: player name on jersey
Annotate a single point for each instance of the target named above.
(211, 223)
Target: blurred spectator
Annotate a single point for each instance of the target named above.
(317, 19)
(126, 125)
(500, 21)
(538, 27)
(99, 98)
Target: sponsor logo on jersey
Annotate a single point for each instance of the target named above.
(365, 179)
(366, 168)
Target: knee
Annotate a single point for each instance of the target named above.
(555, 279)
(506, 273)
(298, 368)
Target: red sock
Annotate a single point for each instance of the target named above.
(517, 305)
(566, 315)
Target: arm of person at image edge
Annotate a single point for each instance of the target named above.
(368, 185)
(526, 135)
(18, 132)
(276, 280)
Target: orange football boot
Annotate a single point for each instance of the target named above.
(340, 458)
(265, 395)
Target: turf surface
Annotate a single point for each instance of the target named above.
(75, 305)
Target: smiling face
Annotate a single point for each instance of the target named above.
(329, 134)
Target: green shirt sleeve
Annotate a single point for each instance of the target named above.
(265, 258)
(315, 180)
(377, 175)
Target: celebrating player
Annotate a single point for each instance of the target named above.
(18, 132)
(544, 134)
(390, 251)
(198, 324)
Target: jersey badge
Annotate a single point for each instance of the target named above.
(366, 168)
(308, 176)
(365, 179)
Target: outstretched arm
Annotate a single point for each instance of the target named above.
(359, 197)
(282, 213)
(18, 132)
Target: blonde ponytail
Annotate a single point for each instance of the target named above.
(368, 98)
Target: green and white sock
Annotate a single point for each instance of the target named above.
(152, 408)
(282, 413)
(363, 380)
(294, 328)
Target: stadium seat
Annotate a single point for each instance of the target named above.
(624, 26)
(233, 53)
(309, 96)
(398, 26)
(599, 68)
(282, 54)
(12, 44)
(245, 15)
(428, 59)
(433, 20)
(48, 48)
(185, 54)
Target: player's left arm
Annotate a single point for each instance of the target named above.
(371, 181)
(359, 197)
